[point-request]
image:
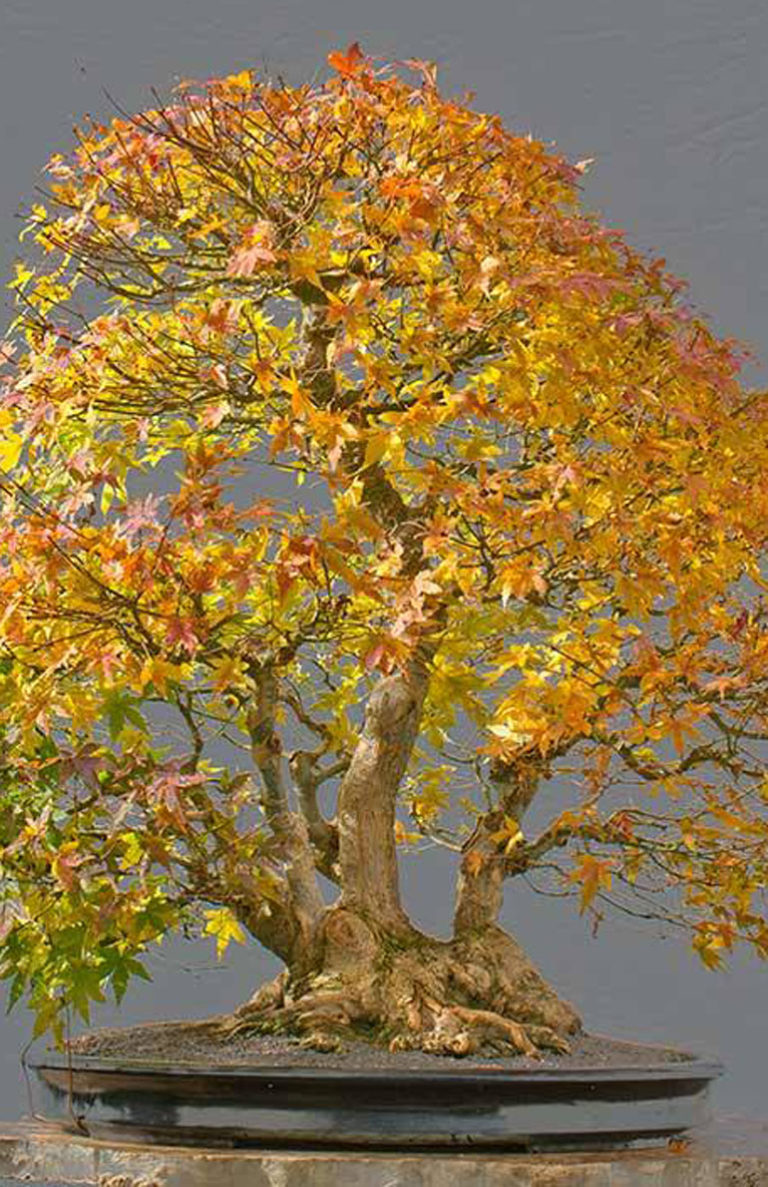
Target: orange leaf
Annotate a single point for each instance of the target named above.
(349, 63)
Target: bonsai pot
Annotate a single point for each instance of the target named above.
(638, 1097)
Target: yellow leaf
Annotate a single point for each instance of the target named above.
(23, 275)
(159, 672)
(375, 448)
(509, 835)
(223, 926)
(300, 401)
(227, 671)
(107, 498)
(10, 450)
(242, 80)
(402, 836)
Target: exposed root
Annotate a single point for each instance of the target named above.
(321, 1019)
(526, 1040)
(458, 1030)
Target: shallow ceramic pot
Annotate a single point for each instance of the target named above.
(541, 1109)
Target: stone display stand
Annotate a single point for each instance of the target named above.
(43, 1155)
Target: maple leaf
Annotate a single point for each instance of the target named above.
(257, 250)
(219, 316)
(139, 515)
(241, 81)
(183, 631)
(213, 414)
(224, 927)
(227, 671)
(348, 63)
(165, 791)
(246, 260)
(159, 673)
(593, 874)
(85, 763)
(65, 864)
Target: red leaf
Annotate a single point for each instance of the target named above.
(64, 868)
(139, 515)
(182, 630)
(255, 251)
(246, 260)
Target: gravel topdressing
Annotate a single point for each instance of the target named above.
(178, 1043)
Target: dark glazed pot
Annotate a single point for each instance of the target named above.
(544, 1109)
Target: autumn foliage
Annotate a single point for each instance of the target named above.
(331, 401)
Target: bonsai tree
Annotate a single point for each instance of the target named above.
(359, 488)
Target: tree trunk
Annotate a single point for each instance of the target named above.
(367, 797)
(366, 971)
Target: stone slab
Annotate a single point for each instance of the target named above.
(44, 1155)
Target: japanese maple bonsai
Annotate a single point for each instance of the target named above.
(522, 548)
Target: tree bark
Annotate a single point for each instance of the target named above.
(368, 973)
(483, 869)
(368, 795)
(289, 828)
(323, 833)
(407, 990)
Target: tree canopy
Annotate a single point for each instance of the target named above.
(313, 389)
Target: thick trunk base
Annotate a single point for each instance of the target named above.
(410, 991)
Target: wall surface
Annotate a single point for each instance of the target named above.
(671, 98)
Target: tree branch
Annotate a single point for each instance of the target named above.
(273, 923)
(323, 833)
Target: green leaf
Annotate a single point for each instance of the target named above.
(120, 707)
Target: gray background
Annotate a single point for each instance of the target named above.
(671, 97)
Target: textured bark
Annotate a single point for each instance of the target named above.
(323, 833)
(368, 794)
(480, 885)
(291, 831)
(484, 864)
(411, 991)
(360, 968)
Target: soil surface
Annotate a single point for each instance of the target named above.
(179, 1043)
